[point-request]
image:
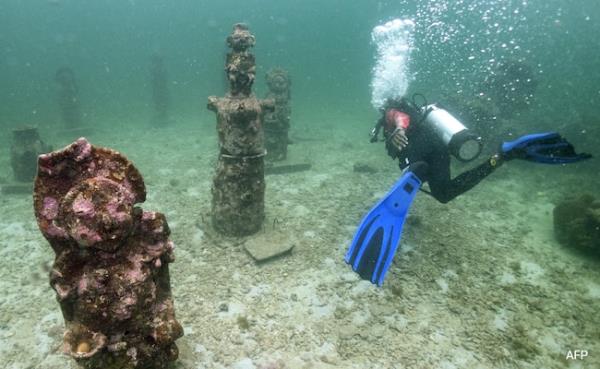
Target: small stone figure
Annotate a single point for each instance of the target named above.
(160, 90)
(111, 273)
(25, 149)
(68, 98)
(240, 65)
(277, 123)
(239, 183)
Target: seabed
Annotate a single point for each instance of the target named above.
(480, 282)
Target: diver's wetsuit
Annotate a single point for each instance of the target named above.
(428, 158)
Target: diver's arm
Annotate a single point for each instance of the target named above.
(395, 124)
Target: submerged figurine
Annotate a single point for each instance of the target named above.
(277, 123)
(26, 147)
(238, 190)
(111, 273)
(68, 97)
(161, 98)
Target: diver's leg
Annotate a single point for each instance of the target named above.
(445, 189)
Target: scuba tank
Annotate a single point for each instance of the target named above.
(462, 143)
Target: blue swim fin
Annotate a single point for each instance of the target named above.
(378, 235)
(547, 148)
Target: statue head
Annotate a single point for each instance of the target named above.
(241, 66)
(240, 39)
(278, 81)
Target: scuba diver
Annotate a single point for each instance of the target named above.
(424, 138)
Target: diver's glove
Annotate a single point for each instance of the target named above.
(548, 148)
(397, 140)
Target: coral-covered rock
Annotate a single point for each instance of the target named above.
(111, 272)
(577, 223)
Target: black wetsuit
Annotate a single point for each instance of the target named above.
(428, 158)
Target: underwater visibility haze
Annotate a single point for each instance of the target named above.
(181, 183)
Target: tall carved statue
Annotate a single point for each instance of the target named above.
(239, 184)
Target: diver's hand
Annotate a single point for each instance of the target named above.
(397, 141)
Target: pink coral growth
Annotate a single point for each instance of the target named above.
(83, 149)
(50, 208)
(85, 236)
(117, 211)
(83, 207)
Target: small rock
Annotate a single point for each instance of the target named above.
(414, 221)
(245, 363)
(328, 354)
(348, 332)
(243, 322)
(264, 246)
(382, 310)
(363, 168)
(349, 277)
(237, 340)
(378, 331)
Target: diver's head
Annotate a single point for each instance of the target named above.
(395, 103)
(404, 105)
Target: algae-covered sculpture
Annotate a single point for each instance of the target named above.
(239, 184)
(26, 147)
(111, 273)
(68, 97)
(577, 223)
(277, 122)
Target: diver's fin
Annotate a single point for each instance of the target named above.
(548, 148)
(378, 235)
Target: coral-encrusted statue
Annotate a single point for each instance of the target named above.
(160, 90)
(25, 148)
(68, 97)
(277, 123)
(111, 273)
(238, 190)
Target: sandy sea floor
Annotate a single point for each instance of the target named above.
(480, 282)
